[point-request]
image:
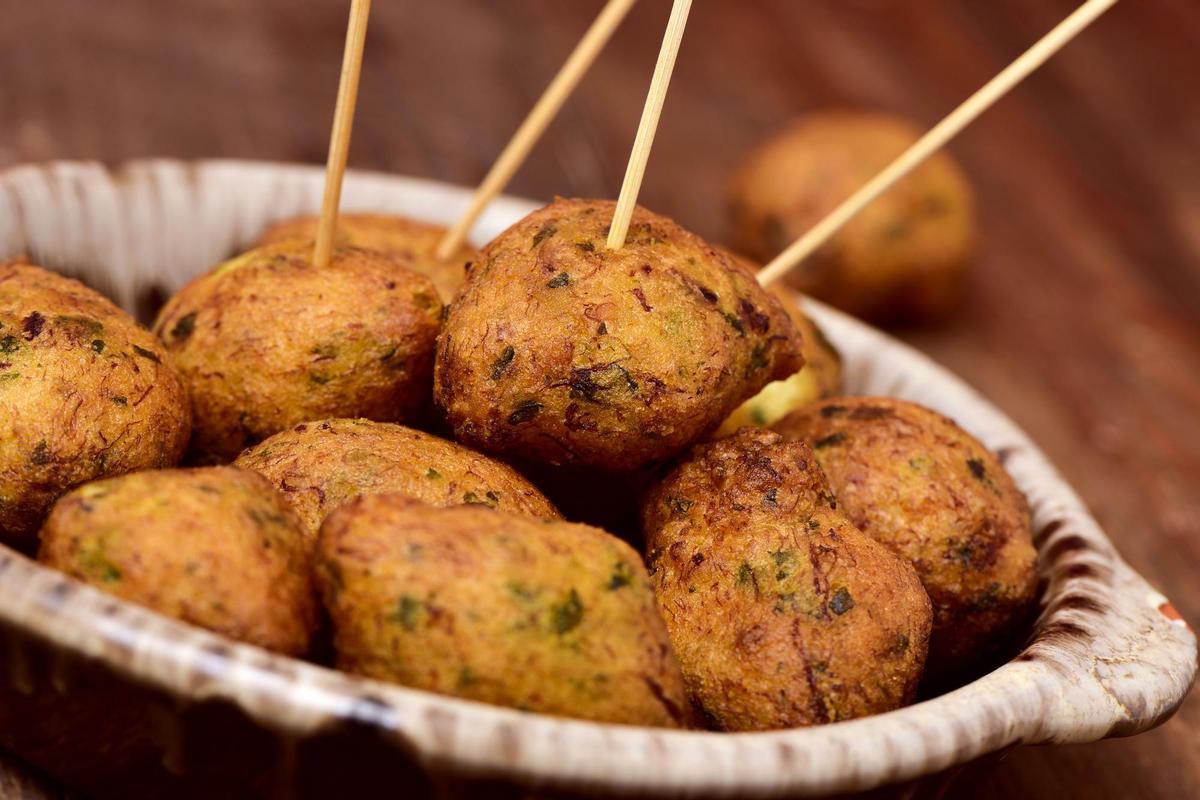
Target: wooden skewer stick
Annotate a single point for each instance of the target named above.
(540, 117)
(649, 124)
(943, 132)
(343, 121)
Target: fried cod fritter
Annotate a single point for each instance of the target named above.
(321, 465)
(542, 616)
(904, 258)
(216, 547)
(781, 612)
(413, 243)
(912, 479)
(84, 394)
(562, 351)
(820, 377)
(267, 341)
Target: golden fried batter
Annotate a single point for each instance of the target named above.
(215, 547)
(266, 341)
(84, 394)
(413, 243)
(913, 480)
(542, 616)
(903, 258)
(781, 612)
(820, 377)
(321, 465)
(563, 351)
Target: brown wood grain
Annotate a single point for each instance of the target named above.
(1083, 317)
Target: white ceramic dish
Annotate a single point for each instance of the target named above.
(125, 702)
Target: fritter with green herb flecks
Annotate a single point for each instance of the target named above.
(915, 481)
(782, 612)
(413, 243)
(267, 340)
(543, 616)
(820, 377)
(216, 547)
(903, 258)
(321, 465)
(563, 351)
(84, 393)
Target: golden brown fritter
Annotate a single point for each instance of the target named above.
(321, 465)
(413, 243)
(542, 616)
(913, 480)
(84, 394)
(266, 341)
(820, 377)
(562, 351)
(903, 258)
(782, 613)
(215, 547)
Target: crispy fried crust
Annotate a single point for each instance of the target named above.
(321, 465)
(562, 351)
(84, 394)
(915, 481)
(820, 377)
(543, 616)
(413, 243)
(216, 547)
(267, 341)
(904, 257)
(781, 612)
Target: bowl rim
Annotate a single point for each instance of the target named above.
(1109, 655)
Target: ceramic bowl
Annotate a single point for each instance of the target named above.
(125, 703)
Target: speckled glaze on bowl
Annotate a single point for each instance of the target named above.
(125, 703)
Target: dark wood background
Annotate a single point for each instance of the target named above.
(1083, 318)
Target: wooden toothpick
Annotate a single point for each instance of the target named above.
(540, 117)
(343, 121)
(943, 132)
(649, 124)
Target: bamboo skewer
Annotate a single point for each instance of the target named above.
(636, 169)
(343, 121)
(936, 138)
(540, 117)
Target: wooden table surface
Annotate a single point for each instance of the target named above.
(1083, 316)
